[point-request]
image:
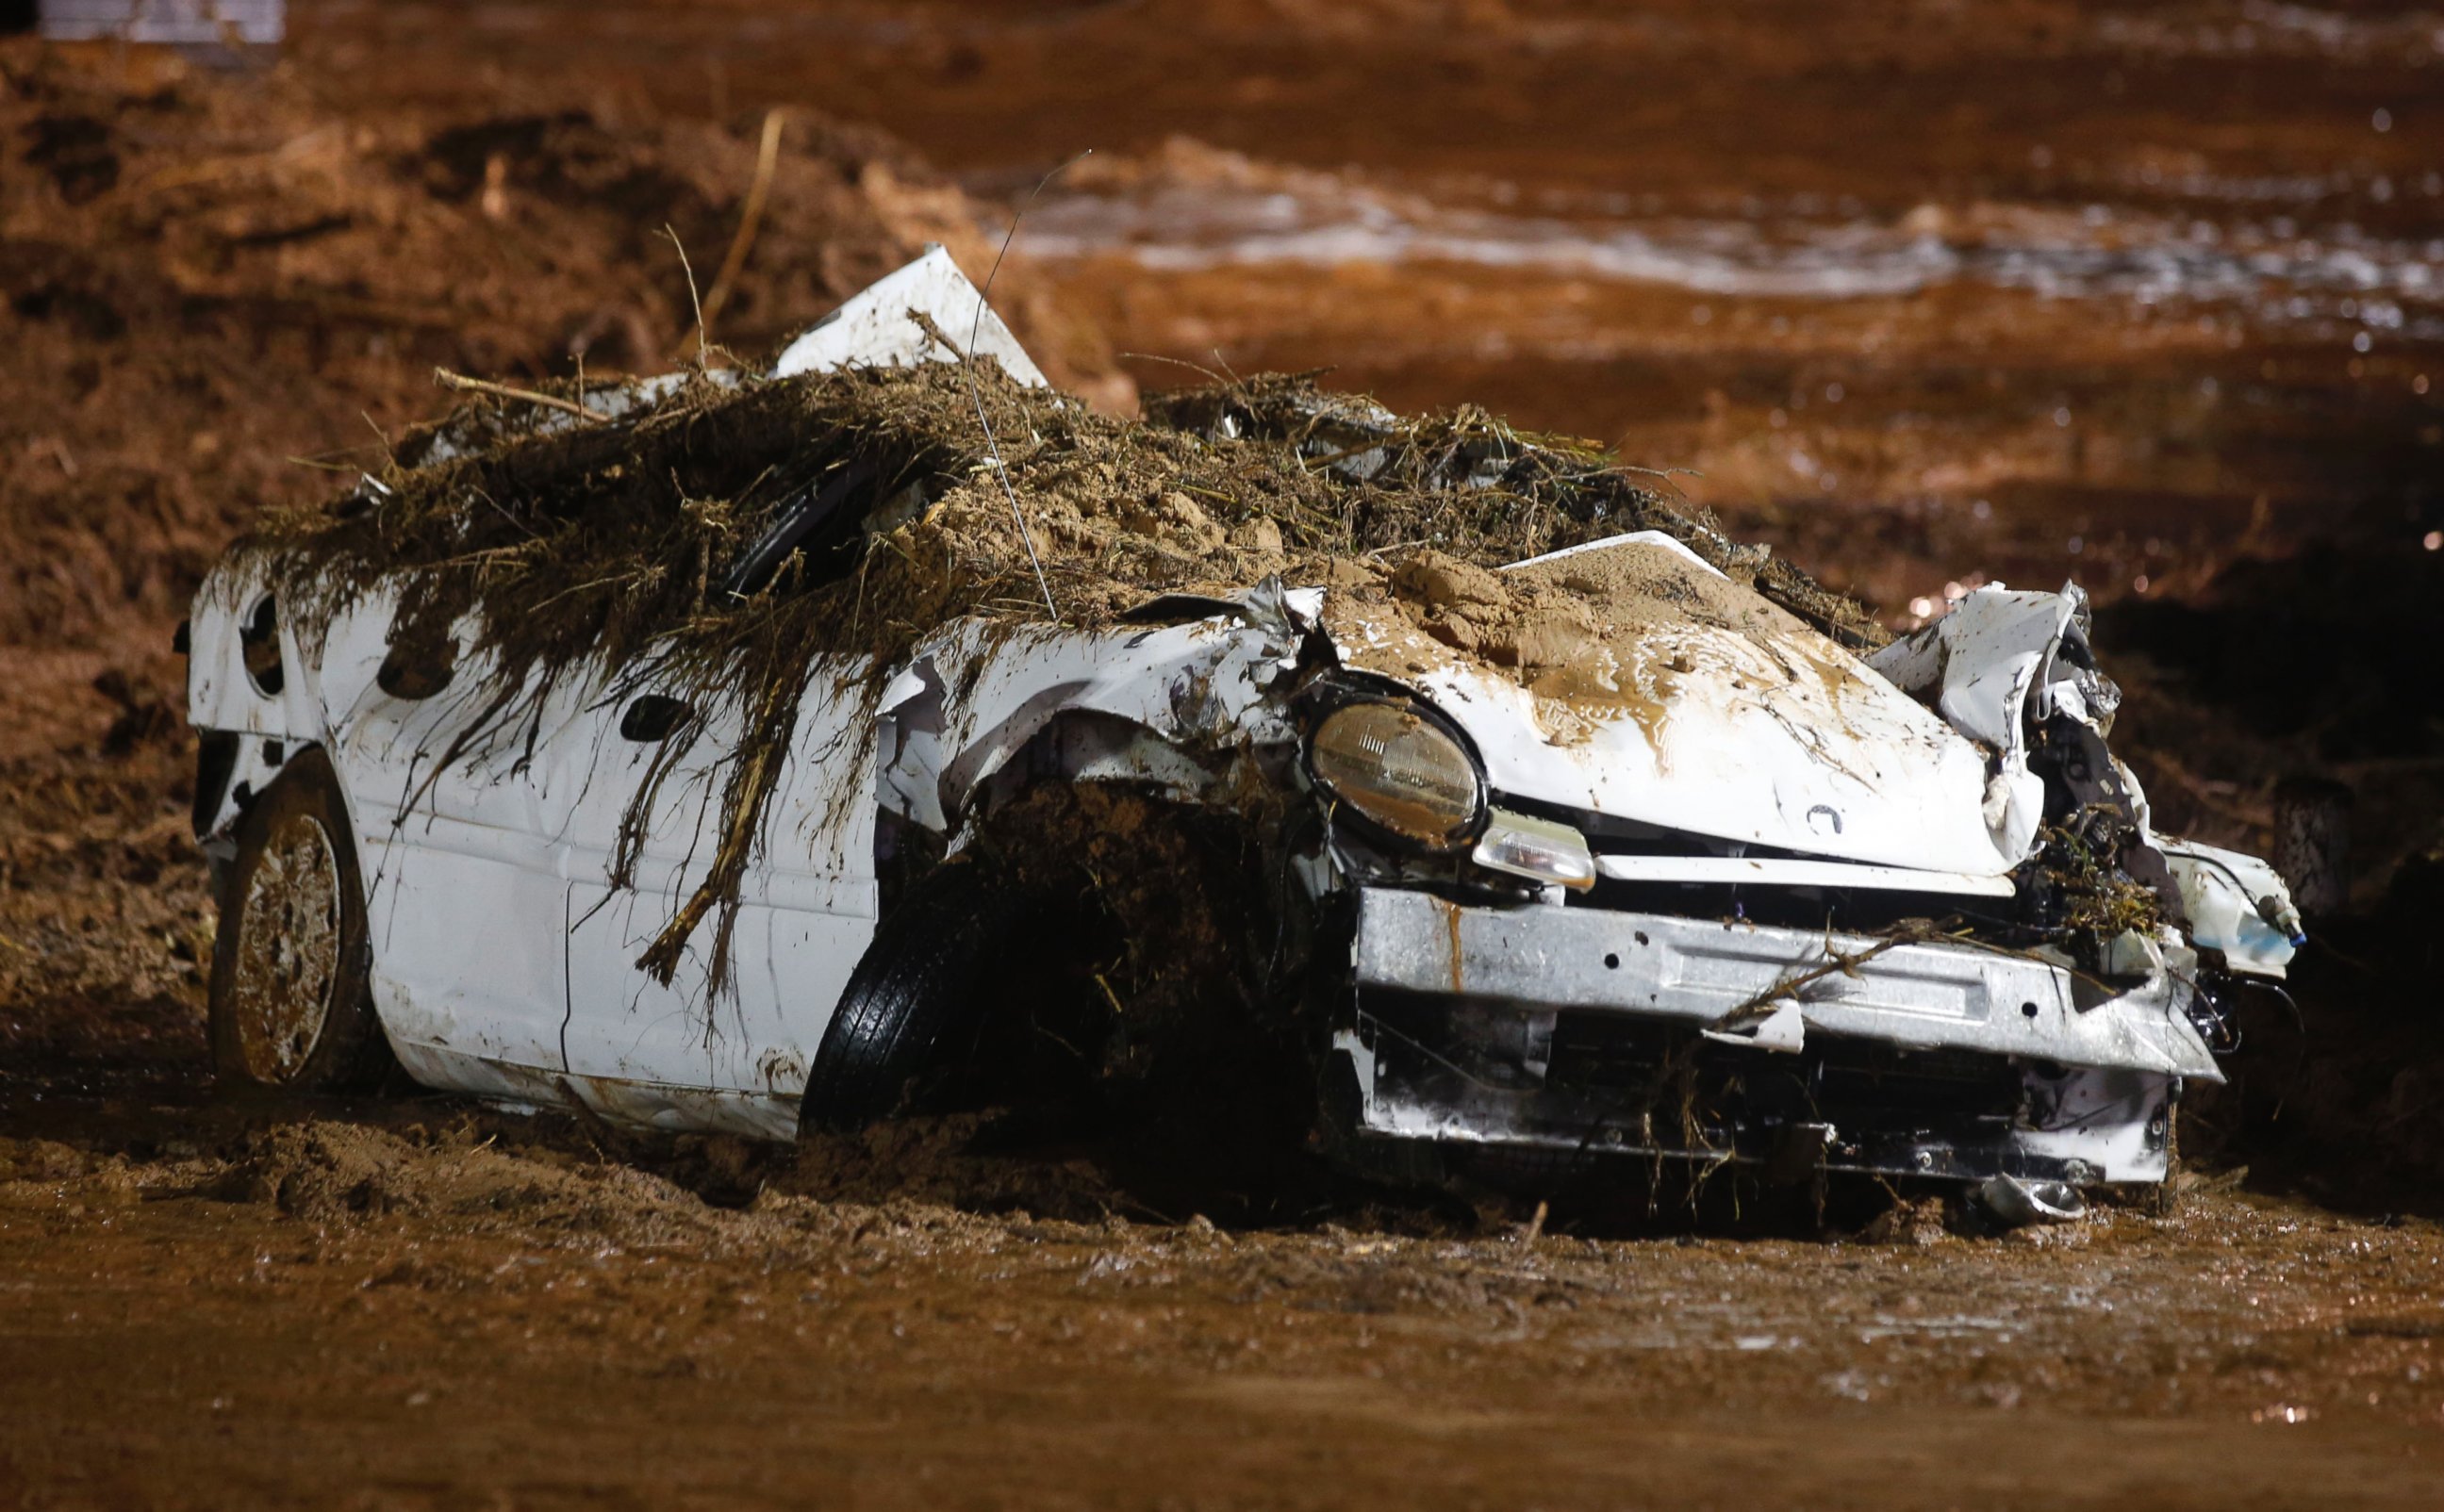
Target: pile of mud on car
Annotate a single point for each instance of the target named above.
(1596, 859)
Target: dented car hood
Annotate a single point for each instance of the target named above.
(1774, 738)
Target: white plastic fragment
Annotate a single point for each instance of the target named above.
(2237, 904)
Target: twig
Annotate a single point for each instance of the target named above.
(531, 533)
(1157, 356)
(464, 384)
(684, 267)
(767, 157)
(1837, 963)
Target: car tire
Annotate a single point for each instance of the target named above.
(291, 1000)
(923, 995)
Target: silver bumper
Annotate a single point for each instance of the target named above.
(1579, 1030)
(1924, 997)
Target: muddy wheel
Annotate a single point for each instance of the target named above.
(938, 980)
(290, 1003)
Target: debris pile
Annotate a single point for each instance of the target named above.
(603, 530)
(2080, 874)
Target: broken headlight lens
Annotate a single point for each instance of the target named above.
(1401, 771)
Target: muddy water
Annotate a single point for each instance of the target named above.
(1926, 294)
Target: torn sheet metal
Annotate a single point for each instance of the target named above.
(1791, 744)
(885, 325)
(1998, 664)
(1206, 685)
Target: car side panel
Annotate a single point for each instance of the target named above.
(647, 1051)
(465, 902)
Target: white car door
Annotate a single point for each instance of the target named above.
(682, 1054)
(466, 904)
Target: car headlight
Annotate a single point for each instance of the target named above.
(1400, 770)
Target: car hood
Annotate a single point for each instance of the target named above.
(1764, 733)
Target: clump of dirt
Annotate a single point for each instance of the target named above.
(1505, 494)
(324, 1171)
(1916, 1222)
(1606, 629)
(1563, 617)
(333, 1170)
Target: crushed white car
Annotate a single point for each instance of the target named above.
(1721, 890)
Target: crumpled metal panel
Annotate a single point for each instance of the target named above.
(1792, 744)
(2001, 662)
(976, 694)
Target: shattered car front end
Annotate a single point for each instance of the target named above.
(1744, 899)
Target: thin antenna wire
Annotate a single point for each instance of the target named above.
(977, 394)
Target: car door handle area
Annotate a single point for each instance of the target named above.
(649, 717)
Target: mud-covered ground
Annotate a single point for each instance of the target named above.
(432, 1309)
(1927, 295)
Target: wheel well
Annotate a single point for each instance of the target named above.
(232, 770)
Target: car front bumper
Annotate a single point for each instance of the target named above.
(1588, 1029)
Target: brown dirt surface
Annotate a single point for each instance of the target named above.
(1558, 618)
(206, 271)
(405, 1309)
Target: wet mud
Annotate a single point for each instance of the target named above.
(1926, 296)
(426, 1307)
